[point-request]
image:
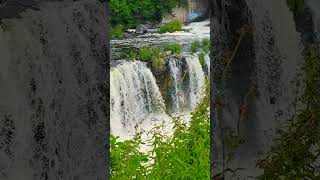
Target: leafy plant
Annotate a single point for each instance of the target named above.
(174, 48)
(171, 27)
(185, 155)
(126, 159)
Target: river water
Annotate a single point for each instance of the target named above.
(138, 100)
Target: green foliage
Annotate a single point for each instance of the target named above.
(171, 27)
(153, 56)
(297, 6)
(126, 159)
(297, 154)
(117, 31)
(132, 55)
(185, 155)
(206, 45)
(201, 59)
(132, 12)
(195, 45)
(174, 48)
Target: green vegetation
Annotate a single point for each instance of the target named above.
(206, 45)
(172, 26)
(153, 56)
(297, 154)
(132, 55)
(117, 31)
(201, 59)
(185, 155)
(129, 13)
(195, 45)
(175, 48)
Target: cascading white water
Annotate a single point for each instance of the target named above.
(134, 96)
(136, 101)
(176, 77)
(196, 80)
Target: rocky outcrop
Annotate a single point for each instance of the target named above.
(53, 94)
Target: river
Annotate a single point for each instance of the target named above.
(139, 98)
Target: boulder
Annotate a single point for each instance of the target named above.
(141, 28)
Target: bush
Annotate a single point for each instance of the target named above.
(201, 59)
(206, 45)
(153, 56)
(195, 45)
(174, 48)
(117, 31)
(171, 27)
(185, 155)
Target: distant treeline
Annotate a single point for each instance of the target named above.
(129, 13)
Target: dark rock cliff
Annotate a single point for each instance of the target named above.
(54, 92)
(256, 77)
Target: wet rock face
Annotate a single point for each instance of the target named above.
(53, 93)
(262, 77)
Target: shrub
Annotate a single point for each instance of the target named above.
(174, 48)
(206, 45)
(185, 155)
(201, 59)
(172, 26)
(195, 45)
(126, 159)
(117, 31)
(153, 56)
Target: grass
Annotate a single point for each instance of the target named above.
(117, 31)
(206, 45)
(201, 59)
(153, 56)
(195, 46)
(171, 27)
(174, 48)
(132, 55)
(185, 155)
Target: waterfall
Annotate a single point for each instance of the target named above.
(196, 80)
(187, 87)
(134, 96)
(53, 99)
(136, 102)
(176, 77)
(177, 95)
